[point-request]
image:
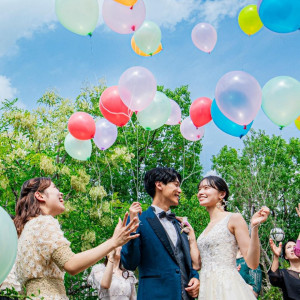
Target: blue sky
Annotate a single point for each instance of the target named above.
(37, 54)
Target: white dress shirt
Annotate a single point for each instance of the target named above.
(168, 225)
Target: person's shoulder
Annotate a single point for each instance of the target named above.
(98, 268)
(236, 217)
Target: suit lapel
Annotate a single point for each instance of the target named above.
(161, 233)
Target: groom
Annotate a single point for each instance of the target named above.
(161, 252)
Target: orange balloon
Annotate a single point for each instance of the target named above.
(127, 2)
(297, 122)
(138, 51)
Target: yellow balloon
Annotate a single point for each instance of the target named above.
(138, 51)
(249, 19)
(297, 122)
(127, 2)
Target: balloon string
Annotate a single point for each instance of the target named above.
(111, 186)
(131, 167)
(137, 163)
(115, 113)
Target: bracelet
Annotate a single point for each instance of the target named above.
(111, 261)
(255, 226)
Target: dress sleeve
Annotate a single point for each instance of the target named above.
(96, 275)
(51, 243)
(276, 278)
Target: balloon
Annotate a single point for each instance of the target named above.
(127, 2)
(106, 134)
(204, 37)
(8, 244)
(138, 51)
(79, 16)
(148, 37)
(78, 149)
(123, 19)
(281, 100)
(249, 19)
(189, 131)
(137, 88)
(82, 126)
(157, 113)
(200, 111)
(280, 15)
(238, 96)
(112, 107)
(297, 122)
(227, 125)
(175, 115)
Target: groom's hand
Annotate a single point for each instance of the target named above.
(193, 287)
(134, 210)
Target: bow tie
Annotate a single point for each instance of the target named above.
(169, 216)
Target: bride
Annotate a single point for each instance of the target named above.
(215, 250)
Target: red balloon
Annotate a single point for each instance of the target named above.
(112, 107)
(200, 111)
(82, 126)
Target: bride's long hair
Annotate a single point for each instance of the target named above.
(28, 206)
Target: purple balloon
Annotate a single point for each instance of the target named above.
(204, 37)
(137, 88)
(121, 18)
(238, 96)
(175, 116)
(106, 134)
(189, 131)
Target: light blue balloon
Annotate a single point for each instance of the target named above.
(281, 100)
(227, 125)
(280, 15)
(8, 244)
(78, 149)
(157, 113)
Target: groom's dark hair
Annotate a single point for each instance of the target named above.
(165, 175)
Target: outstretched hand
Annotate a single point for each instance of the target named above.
(276, 250)
(122, 233)
(260, 216)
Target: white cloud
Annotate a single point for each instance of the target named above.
(20, 19)
(214, 11)
(6, 89)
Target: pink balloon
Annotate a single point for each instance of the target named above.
(238, 96)
(175, 116)
(189, 131)
(121, 18)
(137, 88)
(106, 134)
(204, 36)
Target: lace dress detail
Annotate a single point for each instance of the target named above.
(42, 252)
(219, 277)
(120, 288)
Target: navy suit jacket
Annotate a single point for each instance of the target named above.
(151, 252)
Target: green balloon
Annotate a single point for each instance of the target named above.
(8, 244)
(78, 149)
(79, 16)
(148, 37)
(281, 100)
(157, 113)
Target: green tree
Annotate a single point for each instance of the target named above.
(97, 191)
(265, 172)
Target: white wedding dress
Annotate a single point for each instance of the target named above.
(219, 278)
